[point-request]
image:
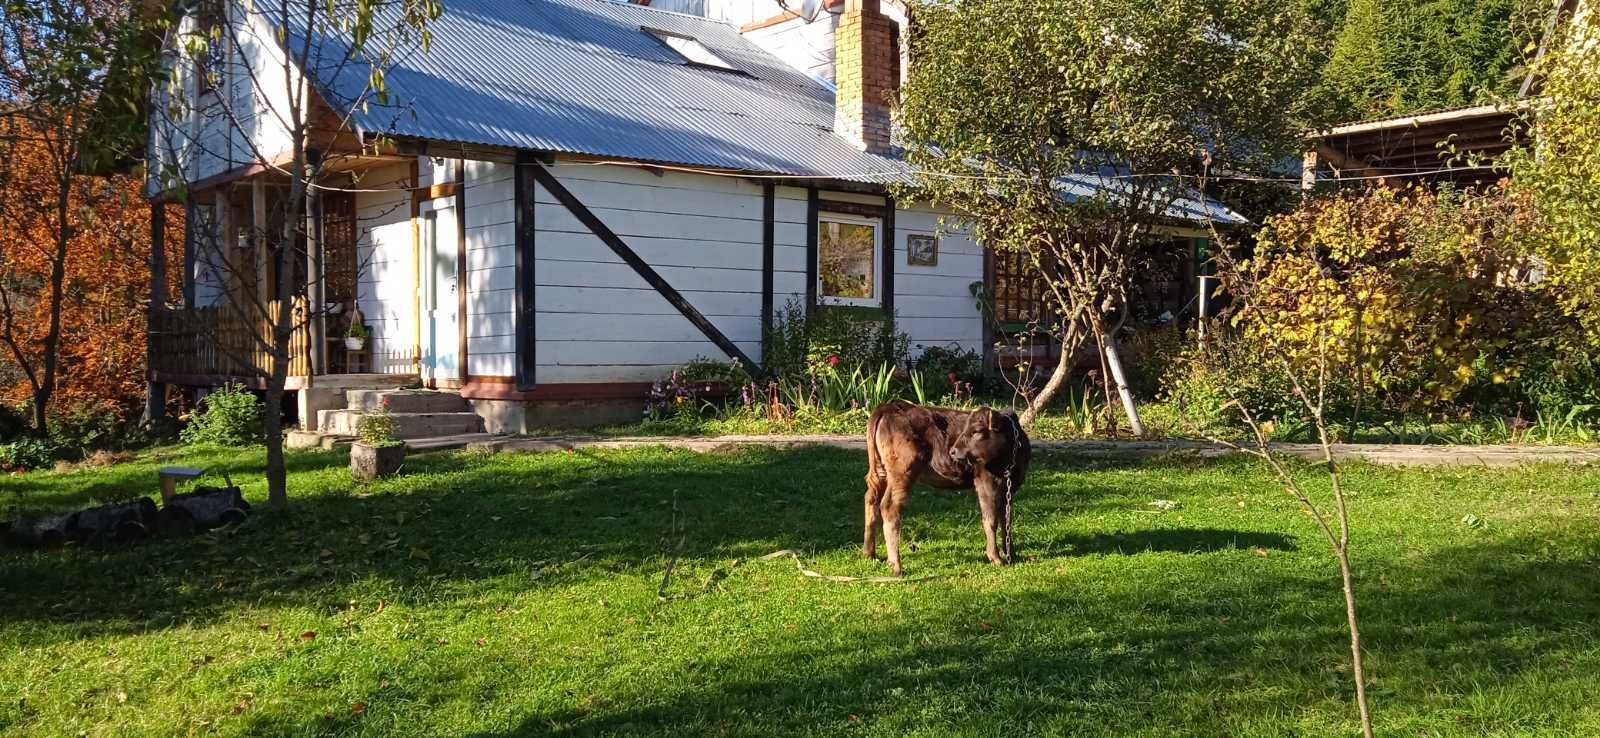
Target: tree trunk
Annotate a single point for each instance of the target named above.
(155, 401)
(58, 276)
(1114, 361)
(282, 334)
(1071, 339)
(1356, 669)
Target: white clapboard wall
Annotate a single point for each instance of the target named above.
(934, 305)
(597, 321)
(387, 282)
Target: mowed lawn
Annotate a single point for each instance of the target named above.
(517, 595)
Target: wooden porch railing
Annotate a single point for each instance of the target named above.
(221, 342)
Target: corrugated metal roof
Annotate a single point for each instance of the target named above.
(583, 77)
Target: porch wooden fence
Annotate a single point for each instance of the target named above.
(220, 341)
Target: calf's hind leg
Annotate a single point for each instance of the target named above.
(869, 534)
(894, 500)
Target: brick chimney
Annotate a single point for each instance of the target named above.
(867, 73)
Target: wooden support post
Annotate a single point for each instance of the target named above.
(813, 207)
(888, 265)
(315, 304)
(768, 240)
(524, 188)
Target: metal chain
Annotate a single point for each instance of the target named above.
(1016, 440)
(1008, 510)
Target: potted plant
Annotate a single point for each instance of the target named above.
(376, 452)
(355, 337)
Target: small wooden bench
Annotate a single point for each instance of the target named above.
(171, 475)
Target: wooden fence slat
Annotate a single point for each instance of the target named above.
(221, 343)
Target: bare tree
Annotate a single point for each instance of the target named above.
(1309, 387)
(293, 73)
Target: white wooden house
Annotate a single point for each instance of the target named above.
(578, 196)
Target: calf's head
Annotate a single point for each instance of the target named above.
(988, 437)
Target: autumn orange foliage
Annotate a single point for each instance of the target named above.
(106, 286)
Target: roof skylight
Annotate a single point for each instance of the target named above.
(692, 51)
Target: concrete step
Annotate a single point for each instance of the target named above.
(314, 440)
(406, 401)
(463, 440)
(406, 425)
(342, 382)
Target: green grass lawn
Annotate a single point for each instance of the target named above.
(517, 595)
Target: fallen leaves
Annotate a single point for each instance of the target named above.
(308, 635)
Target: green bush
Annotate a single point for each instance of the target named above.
(86, 427)
(942, 367)
(1151, 355)
(232, 417)
(713, 371)
(25, 454)
(1557, 383)
(1204, 381)
(843, 338)
(377, 430)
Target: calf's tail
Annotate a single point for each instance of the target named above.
(874, 461)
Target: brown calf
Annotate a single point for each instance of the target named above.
(952, 449)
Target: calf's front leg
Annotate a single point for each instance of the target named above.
(991, 500)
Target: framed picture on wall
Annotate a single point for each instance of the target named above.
(922, 249)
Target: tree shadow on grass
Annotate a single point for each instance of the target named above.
(1215, 656)
(1169, 540)
(36, 494)
(457, 518)
(452, 518)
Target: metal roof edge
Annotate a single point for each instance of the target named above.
(1417, 119)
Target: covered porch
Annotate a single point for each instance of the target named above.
(245, 248)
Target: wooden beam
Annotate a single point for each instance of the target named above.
(315, 280)
(988, 317)
(1345, 163)
(813, 203)
(861, 209)
(769, 222)
(523, 188)
(888, 258)
(549, 182)
(462, 319)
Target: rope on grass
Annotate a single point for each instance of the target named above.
(722, 573)
(840, 578)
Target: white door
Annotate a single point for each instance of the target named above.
(441, 319)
